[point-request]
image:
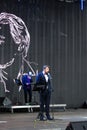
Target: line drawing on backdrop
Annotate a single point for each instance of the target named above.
(21, 38)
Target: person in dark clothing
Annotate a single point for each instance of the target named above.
(27, 87)
(43, 79)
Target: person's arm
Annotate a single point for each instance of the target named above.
(37, 79)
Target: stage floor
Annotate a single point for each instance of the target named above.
(27, 121)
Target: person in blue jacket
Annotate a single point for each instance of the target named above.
(27, 87)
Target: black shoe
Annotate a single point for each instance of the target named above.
(49, 118)
(40, 116)
(43, 119)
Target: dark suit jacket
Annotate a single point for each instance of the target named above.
(41, 81)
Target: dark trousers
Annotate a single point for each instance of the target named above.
(45, 102)
(27, 93)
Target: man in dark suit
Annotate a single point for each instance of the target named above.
(43, 79)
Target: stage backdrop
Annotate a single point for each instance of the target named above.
(58, 37)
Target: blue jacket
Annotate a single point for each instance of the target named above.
(26, 81)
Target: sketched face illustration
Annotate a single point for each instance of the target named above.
(13, 27)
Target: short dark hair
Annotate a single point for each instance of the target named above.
(45, 66)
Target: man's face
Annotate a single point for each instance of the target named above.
(46, 69)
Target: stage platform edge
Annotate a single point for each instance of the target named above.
(30, 107)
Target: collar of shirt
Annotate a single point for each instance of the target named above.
(46, 77)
